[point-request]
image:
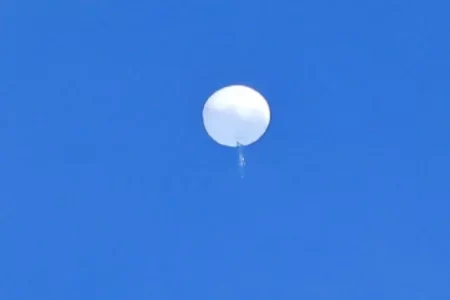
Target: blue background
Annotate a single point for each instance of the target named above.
(111, 188)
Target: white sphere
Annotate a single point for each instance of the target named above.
(236, 115)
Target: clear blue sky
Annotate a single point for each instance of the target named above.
(111, 188)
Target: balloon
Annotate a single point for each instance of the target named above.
(236, 116)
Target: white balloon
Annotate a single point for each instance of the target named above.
(236, 115)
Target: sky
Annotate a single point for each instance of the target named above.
(112, 189)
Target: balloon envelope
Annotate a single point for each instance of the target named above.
(236, 115)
